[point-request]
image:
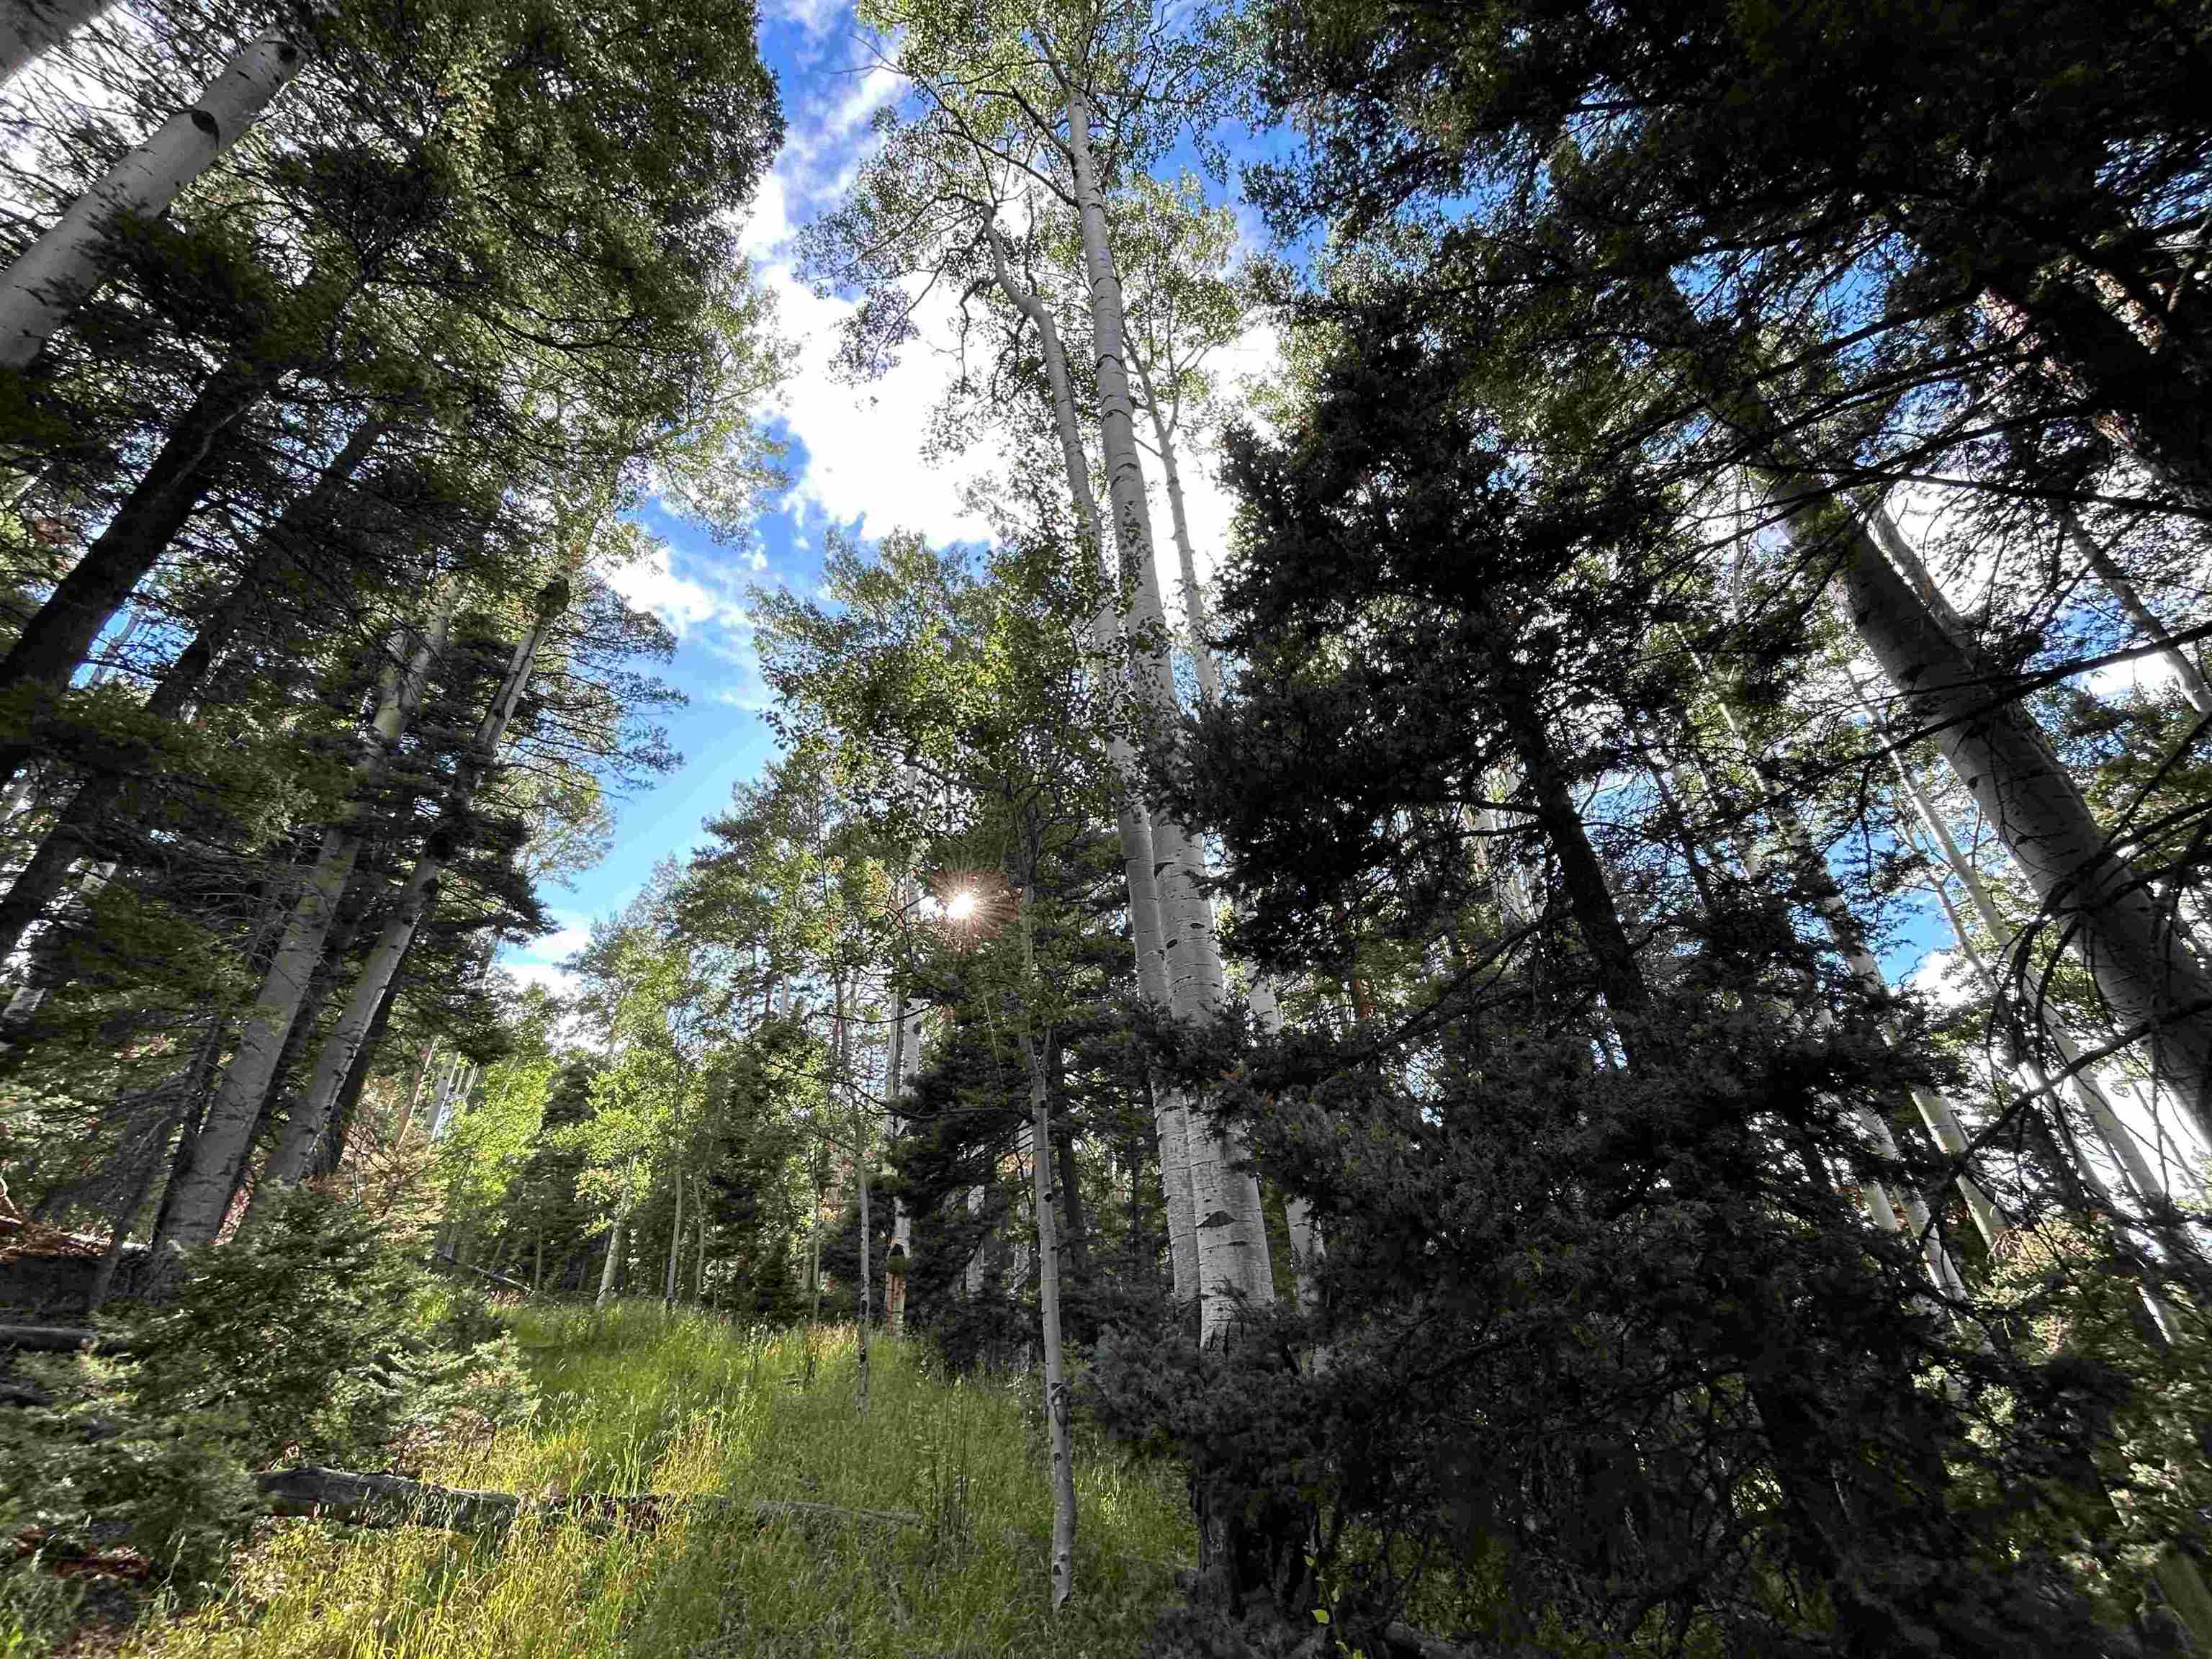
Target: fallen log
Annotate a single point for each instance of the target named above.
(389, 1500)
(1401, 1641)
(60, 1339)
(452, 1266)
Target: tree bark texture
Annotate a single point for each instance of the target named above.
(226, 1133)
(1140, 867)
(30, 28)
(32, 893)
(1233, 1251)
(2141, 962)
(56, 273)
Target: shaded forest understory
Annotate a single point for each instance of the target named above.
(1586, 1032)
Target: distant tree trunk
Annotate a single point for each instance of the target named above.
(2143, 966)
(1306, 1247)
(699, 1226)
(413, 902)
(92, 807)
(2146, 621)
(55, 274)
(895, 1259)
(971, 1277)
(1071, 1202)
(1196, 628)
(30, 28)
(227, 1133)
(56, 641)
(189, 1086)
(1139, 866)
(675, 1247)
(614, 1257)
(406, 1118)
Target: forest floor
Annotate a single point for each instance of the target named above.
(636, 1401)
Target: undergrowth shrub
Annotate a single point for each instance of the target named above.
(316, 1338)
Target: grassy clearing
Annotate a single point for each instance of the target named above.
(637, 1402)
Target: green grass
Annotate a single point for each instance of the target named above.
(637, 1402)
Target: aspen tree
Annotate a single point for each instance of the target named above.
(30, 28)
(2141, 962)
(55, 274)
(200, 1193)
(1171, 1115)
(1232, 1240)
(411, 904)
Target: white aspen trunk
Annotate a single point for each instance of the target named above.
(1232, 1255)
(1845, 934)
(202, 1190)
(1017, 1268)
(614, 1256)
(1307, 1250)
(415, 1095)
(1140, 870)
(2143, 970)
(894, 1085)
(971, 1279)
(1055, 1383)
(441, 1108)
(2146, 621)
(699, 1226)
(58, 272)
(30, 28)
(343, 1043)
(1196, 623)
(2120, 1141)
(1941, 1268)
(675, 1248)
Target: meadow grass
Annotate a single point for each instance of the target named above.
(637, 1401)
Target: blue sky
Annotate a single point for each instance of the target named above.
(855, 465)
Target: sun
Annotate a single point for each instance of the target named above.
(962, 905)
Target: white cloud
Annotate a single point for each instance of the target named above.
(814, 16)
(2149, 675)
(685, 603)
(1942, 977)
(651, 584)
(570, 937)
(881, 85)
(558, 980)
(864, 458)
(768, 226)
(756, 560)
